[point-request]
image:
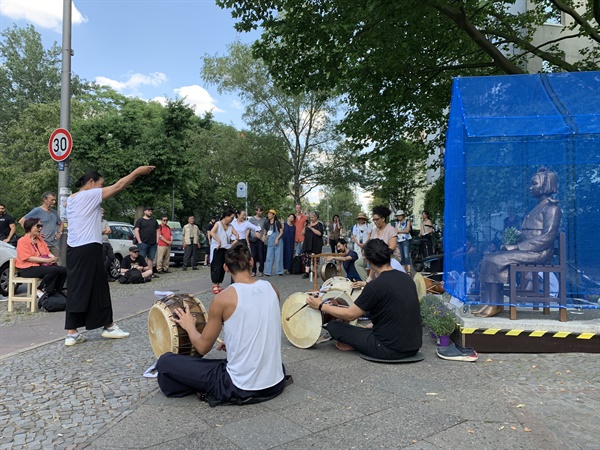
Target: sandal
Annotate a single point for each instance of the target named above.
(216, 290)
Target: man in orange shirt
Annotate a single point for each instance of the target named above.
(300, 224)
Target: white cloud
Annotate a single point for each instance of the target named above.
(41, 13)
(134, 82)
(195, 96)
(236, 104)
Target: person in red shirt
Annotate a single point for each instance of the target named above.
(300, 223)
(165, 239)
(35, 260)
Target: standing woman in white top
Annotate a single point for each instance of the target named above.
(242, 226)
(223, 235)
(88, 302)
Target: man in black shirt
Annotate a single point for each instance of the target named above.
(348, 258)
(146, 232)
(7, 227)
(135, 261)
(393, 305)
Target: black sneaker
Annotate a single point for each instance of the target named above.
(154, 276)
(455, 352)
(305, 275)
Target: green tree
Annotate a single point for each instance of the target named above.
(393, 61)
(395, 174)
(29, 74)
(303, 122)
(340, 200)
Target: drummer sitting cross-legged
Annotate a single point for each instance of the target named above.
(392, 302)
(248, 311)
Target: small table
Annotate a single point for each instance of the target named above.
(315, 265)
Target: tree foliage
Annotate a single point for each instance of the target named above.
(394, 61)
(395, 175)
(199, 162)
(302, 122)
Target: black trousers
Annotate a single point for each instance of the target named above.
(258, 250)
(364, 341)
(53, 277)
(217, 272)
(333, 245)
(189, 253)
(109, 255)
(181, 375)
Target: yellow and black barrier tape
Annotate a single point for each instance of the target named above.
(536, 333)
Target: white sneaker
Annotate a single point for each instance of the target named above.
(115, 333)
(72, 340)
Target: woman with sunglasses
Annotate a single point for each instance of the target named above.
(34, 259)
(88, 302)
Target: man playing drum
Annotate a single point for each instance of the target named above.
(248, 311)
(348, 258)
(392, 302)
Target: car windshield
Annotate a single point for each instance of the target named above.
(177, 232)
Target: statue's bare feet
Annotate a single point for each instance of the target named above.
(491, 311)
(481, 310)
(343, 347)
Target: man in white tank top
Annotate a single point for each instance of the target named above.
(249, 315)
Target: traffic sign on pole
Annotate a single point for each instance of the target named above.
(60, 144)
(242, 190)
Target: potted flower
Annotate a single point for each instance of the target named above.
(440, 321)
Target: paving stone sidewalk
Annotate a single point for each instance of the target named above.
(93, 396)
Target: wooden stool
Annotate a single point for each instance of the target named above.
(30, 295)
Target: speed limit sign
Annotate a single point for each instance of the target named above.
(60, 144)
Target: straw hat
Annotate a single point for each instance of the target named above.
(362, 215)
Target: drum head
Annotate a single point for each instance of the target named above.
(339, 283)
(165, 335)
(328, 271)
(420, 283)
(161, 330)
(339, 298)
(304, 328)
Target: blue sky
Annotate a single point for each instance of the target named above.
(143, 48)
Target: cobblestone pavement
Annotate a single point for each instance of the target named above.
(93, 396)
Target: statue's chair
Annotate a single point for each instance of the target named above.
(526, 288)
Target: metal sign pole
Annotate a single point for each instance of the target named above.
(65, 122)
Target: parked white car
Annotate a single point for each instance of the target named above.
(7, 252)
(121, 238)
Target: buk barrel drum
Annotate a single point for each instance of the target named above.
(337, 283)
(303, 325)
(328, 271)
(165, 335)
(427, 286)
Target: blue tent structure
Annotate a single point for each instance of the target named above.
(502, 129)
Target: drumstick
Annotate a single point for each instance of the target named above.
(300, 309)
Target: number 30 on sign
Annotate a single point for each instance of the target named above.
(60, 144)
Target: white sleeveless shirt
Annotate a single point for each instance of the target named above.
(253, 337)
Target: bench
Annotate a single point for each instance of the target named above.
(31, 284)
(527, 288)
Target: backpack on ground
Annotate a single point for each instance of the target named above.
(132, 276)
(54, 302)
(296, 267)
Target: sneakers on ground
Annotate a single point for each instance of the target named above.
(114, 333)
(74, 339)
(455, 352)
(306, 275)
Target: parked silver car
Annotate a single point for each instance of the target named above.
(7, 252)
(121, 238)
